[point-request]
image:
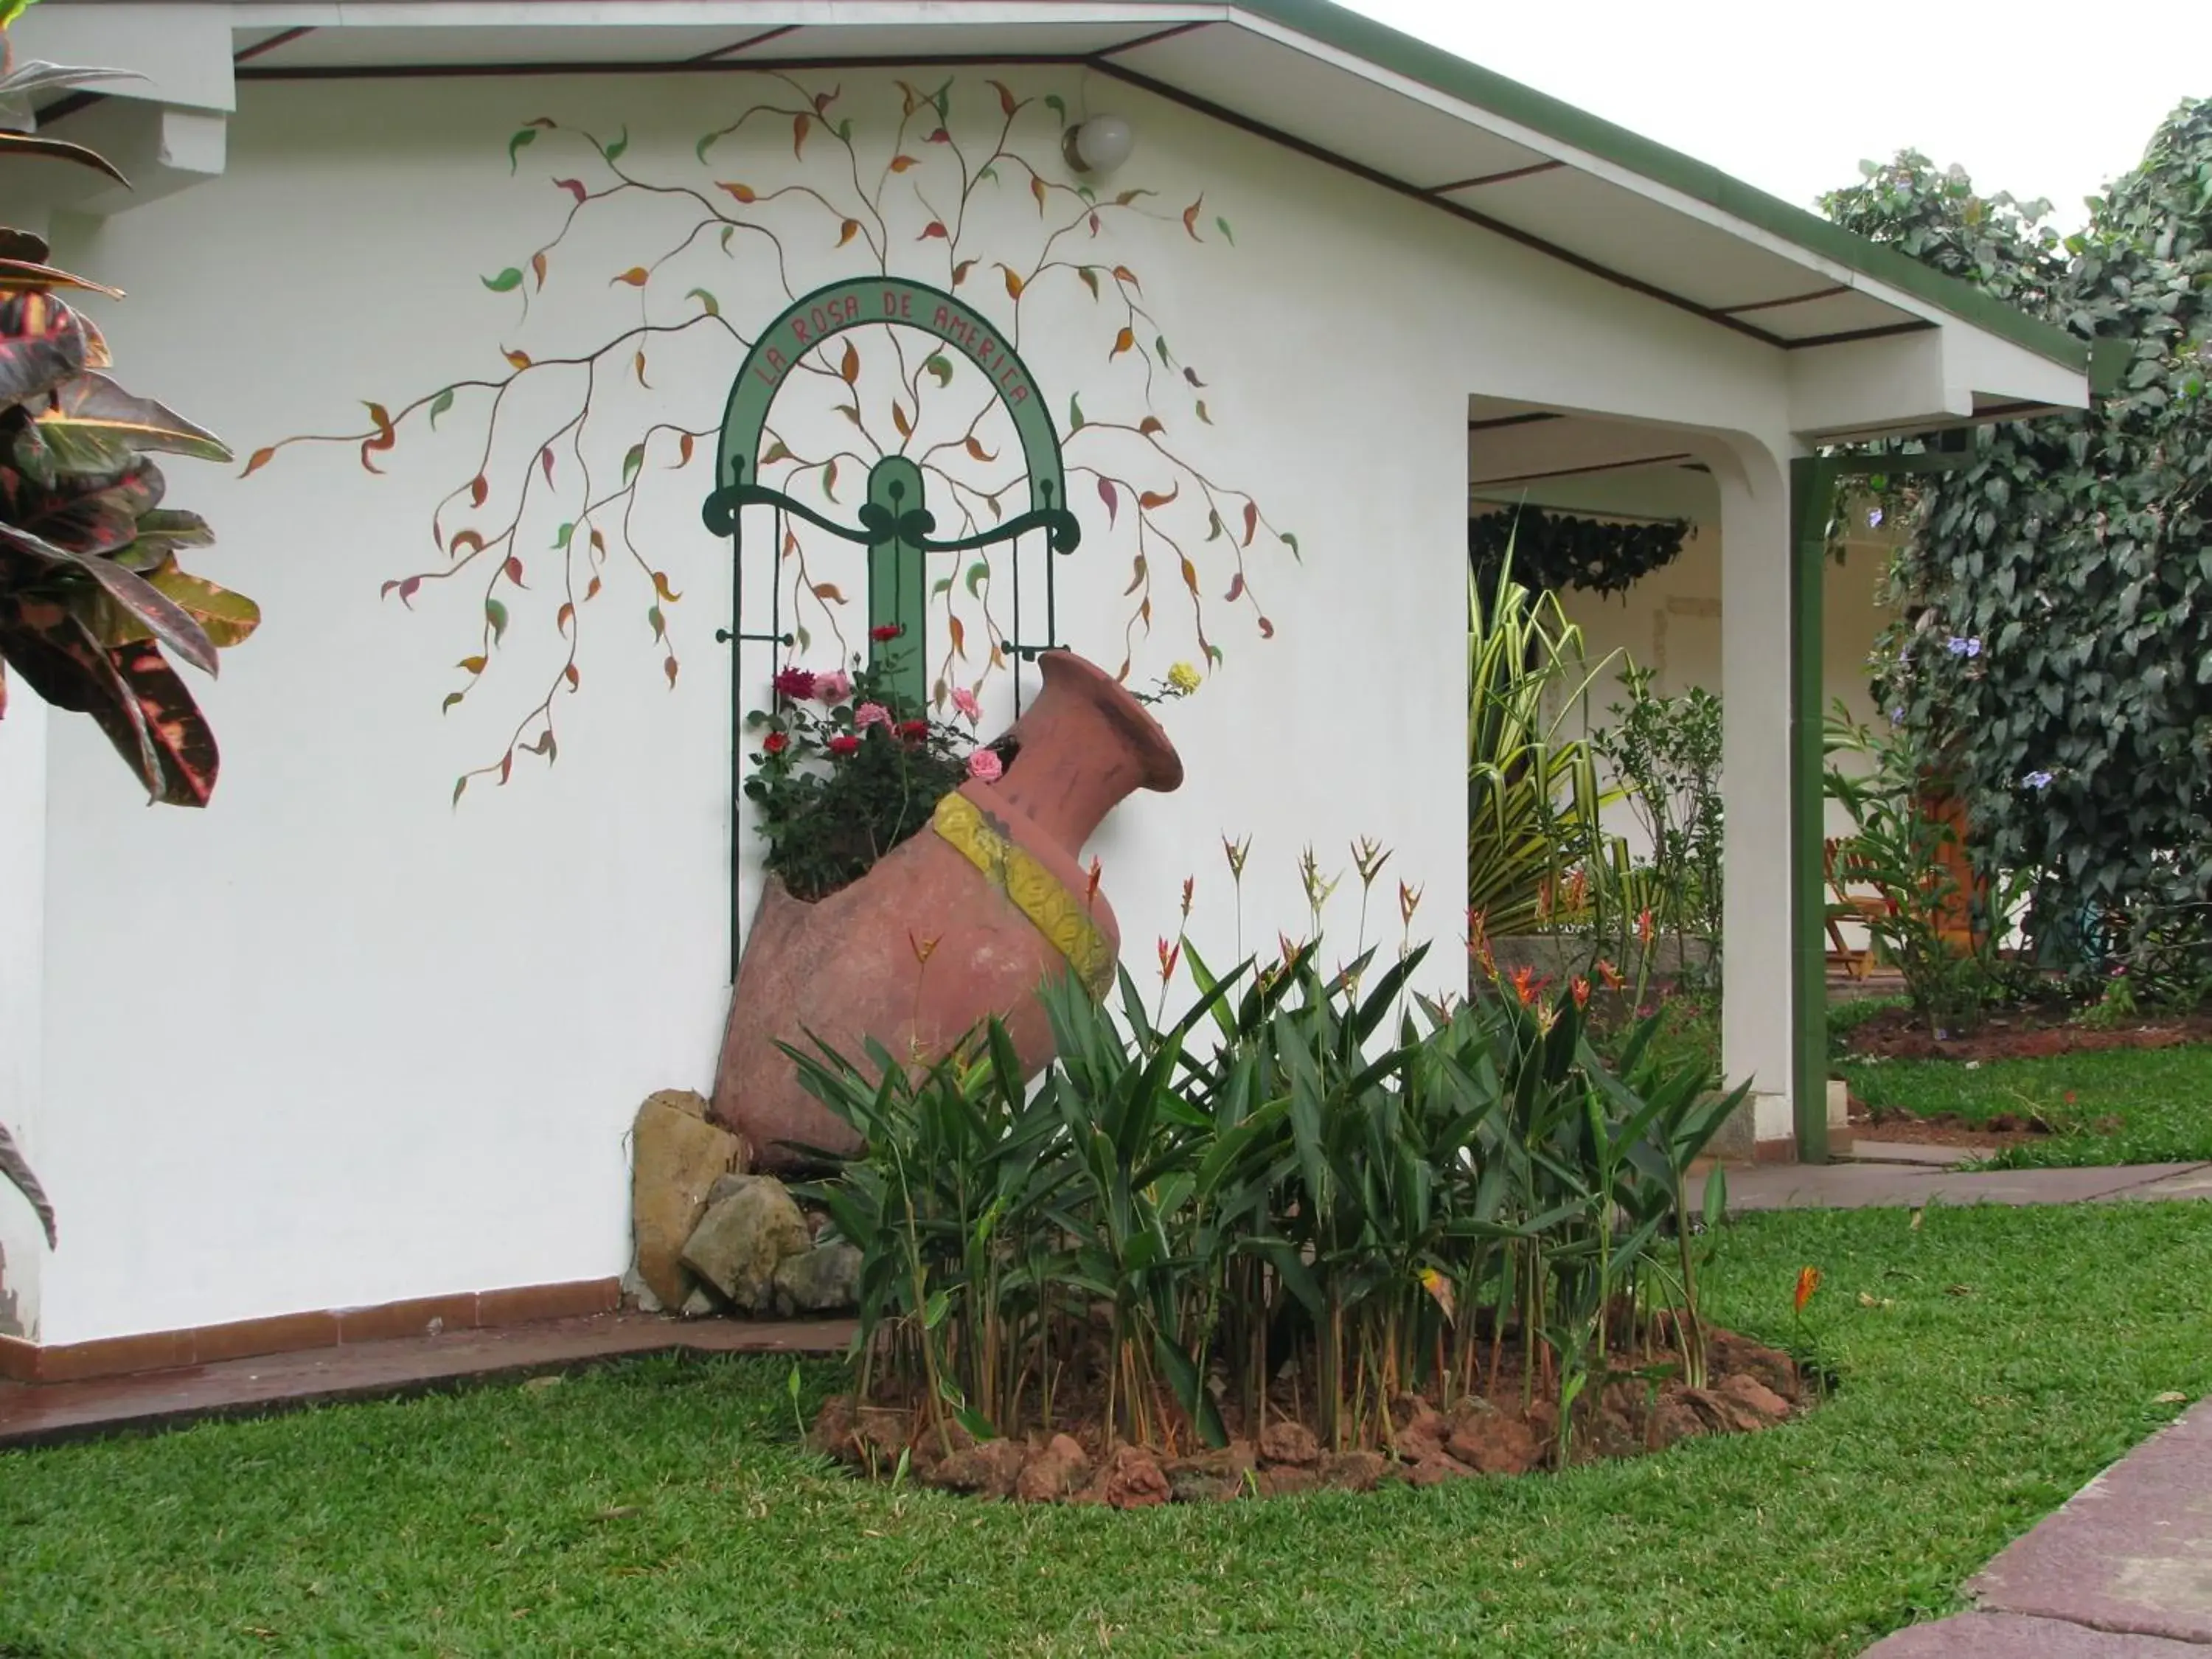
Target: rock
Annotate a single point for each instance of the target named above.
(824, 1279)
(1285, 1481)
(1186, 1485)
(1134, 1480)
(1421, 1428)
(1290, 1444)
(676, 1157)
(636, 1293)
(751, 1225)
(1053, 1472)
(1435, 1471)
(868, 1436)
(1753, 1396)
(1355, 1471)
(1492, 1442)
(1726, 1353)
(699, 1303)
(990, 1469)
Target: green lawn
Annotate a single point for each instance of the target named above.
(662, 1507)
(2121, 1106)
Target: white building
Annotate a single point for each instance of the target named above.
(340, 1041)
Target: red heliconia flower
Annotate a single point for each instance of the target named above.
(1527, 986)
(844, 744)
(1189, 887)
(1809, 1280)
(1097, 869)
(1170, 955)
(1643, 929)
(774, 744)
(914, 731)
(796, 684)
(885, 631)
(1609, 974)
(1581, 988)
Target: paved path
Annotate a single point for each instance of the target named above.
(43, 1414)
(2122, 1571)
(1876, 1185)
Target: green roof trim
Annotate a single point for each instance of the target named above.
(1387, 48)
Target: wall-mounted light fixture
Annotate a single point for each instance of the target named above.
(1098, 145)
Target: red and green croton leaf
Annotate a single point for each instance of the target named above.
(130, 690)
(42, 343)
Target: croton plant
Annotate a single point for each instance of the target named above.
(90, 589)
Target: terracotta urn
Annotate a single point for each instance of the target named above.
(964, 920)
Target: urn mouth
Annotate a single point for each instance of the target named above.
(1159, 767)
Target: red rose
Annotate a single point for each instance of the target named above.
(885, 631)
(774, 743)
(844, 744)
(795, 683)
(914, 731)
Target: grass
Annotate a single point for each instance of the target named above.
(2118, 1106)
(663, 1506)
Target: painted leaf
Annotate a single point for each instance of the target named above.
(259, 459)
(1214, 530)
(1191, 375)
(824, 100)
(452, 697)
(515, 359)
(1006, 104)
(564, 535)
(1291, 542)
(1160, 347)
(850, 368)
(538, 268)
(1136, 576)
(636, 276)
(829, 592)
(506, 282)
(575, 187)
(1123, 274)
(383, 439)
(935, 228)
(1190, 219)
(592, 592)
(901, 163)
(953, 625)
(512, 570)
(799, 123)
(1090, 278)
(1190, 576)
(528, 136)
(899, 420)
(683, 449)
(440, 404)
(960, 271)
(776, 451)
(1094, 226)
(707, 301)
(479, 488)
(1056, 104)
(613, 151)
(564, 617)
(829, 479)
(545, 746)
(847, 231)
(1074, 413)
(496, 614)
(460, 784)
(633, 459)
(1149, 425)
(1222, 226)
(1152, 498)
(1013, 282)
(975, 447)
(1122, 342)
(1251, 521)
(657, 622)
(574, 678)
(506, 768)
(978, 573)
(669, 667)
(637, 368)
(1202, 415)
(473, 665)
(1267, 629)
(939, 364)
(1037, 189)
(743, 192)
(1235, 587)
(468, 539)
(668, 594)
(1145, 613)
(1112, 497)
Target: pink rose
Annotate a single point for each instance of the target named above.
(871, 714)
(964, 700)
(833, 686)
(985, 767)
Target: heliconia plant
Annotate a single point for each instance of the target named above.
(90, 588)
(91, 591)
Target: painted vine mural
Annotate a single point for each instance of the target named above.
(964, 190)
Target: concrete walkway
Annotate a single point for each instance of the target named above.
(2122, 1571)
(1908, 1186)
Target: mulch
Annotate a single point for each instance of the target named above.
(2036, 1032)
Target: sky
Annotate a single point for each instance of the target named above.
(1789, 95)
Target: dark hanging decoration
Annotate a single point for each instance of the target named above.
(1558, 550)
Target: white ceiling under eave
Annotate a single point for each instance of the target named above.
(1305, 73)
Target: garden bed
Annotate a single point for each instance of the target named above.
(2031, 1033)
(1494, 1431)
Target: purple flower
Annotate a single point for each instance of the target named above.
(1897, 717)
(1873, 518)
(2036, 781)
(1962, 645)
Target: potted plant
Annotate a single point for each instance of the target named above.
(918, 884)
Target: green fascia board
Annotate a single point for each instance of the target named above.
(1432, 67)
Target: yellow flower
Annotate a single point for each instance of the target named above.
(1183, 678)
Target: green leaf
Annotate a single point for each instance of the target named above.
(939, 364)
(978, 573)
(506, 282)
(613, 152)
(631, 461)
(1222, 225)
(561, 536)
(496, 614)
(1057, 105)
(1074, 413)
(528, 136)
(659, 623)
(440, 404)
(714, 306)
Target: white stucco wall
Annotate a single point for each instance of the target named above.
(22, 961)
(379, 1047)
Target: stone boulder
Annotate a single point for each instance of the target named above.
(676, 1158)
(751, 1225)
(824, 1279)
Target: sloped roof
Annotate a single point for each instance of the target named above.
(1326, 81)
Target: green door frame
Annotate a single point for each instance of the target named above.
(1813, 481)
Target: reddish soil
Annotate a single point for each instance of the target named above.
(1750, 1386)
(1945, 1129)
(2033, 1033)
